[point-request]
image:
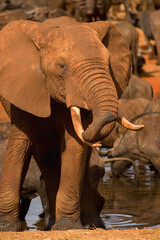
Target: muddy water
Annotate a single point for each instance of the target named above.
(126, 206)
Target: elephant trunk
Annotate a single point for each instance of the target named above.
(103, 101)
(100, 98)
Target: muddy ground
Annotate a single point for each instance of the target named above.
(151, 73)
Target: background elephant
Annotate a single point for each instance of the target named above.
(148, 21)
(138, 88)
(131, 35)
(62, 60)
(153, 4)
(153, 105)
(136, 146)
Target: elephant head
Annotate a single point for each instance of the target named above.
(81, 65)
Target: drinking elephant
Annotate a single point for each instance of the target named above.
(143, 145)
(61, 92)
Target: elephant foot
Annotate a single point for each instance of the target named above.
(92, 221)
(66, 223)
(14, 226)
(51, 222)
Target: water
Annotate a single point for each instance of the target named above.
(126, 206)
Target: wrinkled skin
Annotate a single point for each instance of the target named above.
(142, 145)
(66, 64)
(34, 184)
(130, 33)
(149, 22)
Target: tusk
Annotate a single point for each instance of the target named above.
(125, 123)
(77, 123)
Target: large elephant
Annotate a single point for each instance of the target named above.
(58, 78)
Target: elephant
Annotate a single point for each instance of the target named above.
(52, 117)
(38, 14)
(131, 35)
(148, 21)
(57, 12)
(85, 10)
(153, 4)
(138, 88)
(153, 105)
(90, 10)
(11, 15)
(142, 146)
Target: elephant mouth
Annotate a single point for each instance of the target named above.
(98, 125)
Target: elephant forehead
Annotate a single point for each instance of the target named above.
(77, 39)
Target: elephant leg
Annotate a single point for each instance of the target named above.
(24, 207)
(73, 161)
(17, 152)
(49, 165)
(92, 202)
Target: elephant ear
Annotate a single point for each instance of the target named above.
(120, 56)
(22, 82)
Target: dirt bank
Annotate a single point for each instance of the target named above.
(134, 234)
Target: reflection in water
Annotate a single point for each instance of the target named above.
(34, 220)
(126, 206)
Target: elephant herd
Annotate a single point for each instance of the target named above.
(67, 88)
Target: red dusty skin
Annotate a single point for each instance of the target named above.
(100, 98)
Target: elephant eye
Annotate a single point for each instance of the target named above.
(62, 66)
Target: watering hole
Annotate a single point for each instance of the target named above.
(126, 206)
